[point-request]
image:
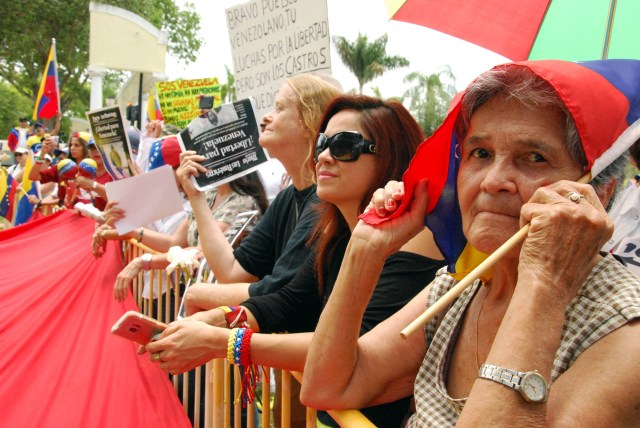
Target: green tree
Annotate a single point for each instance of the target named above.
(12, 106)
(27, 27)
(228, 89)
(430, 96)
(367, 60)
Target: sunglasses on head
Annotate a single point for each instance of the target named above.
(344, 146)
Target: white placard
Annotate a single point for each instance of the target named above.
(145, 198)
(272, 40)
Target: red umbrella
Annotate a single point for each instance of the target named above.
(533, 29)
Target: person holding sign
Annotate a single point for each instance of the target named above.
(271, 255)
(224, 202)
(551, 336)
(364, 142)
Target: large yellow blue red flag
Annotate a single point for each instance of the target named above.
(48, 99)
(8, 187)
(603, 98)
(24, 208)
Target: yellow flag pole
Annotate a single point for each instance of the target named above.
(465, 282)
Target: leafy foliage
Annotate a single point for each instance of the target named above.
(430, 96)
(228, 90)
(27, 27)
(12, 106)
(367, 60)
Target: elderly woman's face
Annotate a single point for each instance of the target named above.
(510, 150)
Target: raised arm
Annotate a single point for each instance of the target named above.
(38, 165)
(360, 369)
(559, 253)
(56, 127)
(216, 248)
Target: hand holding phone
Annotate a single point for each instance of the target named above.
(138, 327)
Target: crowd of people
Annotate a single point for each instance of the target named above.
(344, 257)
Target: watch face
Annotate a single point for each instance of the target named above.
(534, 387)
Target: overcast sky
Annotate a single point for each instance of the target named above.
(427, 50)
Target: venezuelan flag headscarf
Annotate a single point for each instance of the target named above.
(602, 97)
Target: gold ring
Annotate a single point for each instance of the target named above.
(156, 356)
(103, 233)
(574, 197)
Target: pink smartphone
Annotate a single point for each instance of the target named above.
(138, 327)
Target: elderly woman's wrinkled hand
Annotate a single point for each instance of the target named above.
(391, 235)
(190, 166)
(112, 213)
(566, 233)
(187, 344)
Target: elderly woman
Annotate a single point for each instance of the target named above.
(555, 311)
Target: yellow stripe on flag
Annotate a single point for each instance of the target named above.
(393, 6)
(468, 261)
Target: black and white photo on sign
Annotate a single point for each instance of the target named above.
(227, 136)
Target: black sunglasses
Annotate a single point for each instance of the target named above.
(344, 146)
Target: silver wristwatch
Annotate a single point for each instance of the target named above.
(531, 385)
(146, 261)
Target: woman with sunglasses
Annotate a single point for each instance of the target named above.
(363, 143)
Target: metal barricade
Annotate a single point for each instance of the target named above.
(221, 407)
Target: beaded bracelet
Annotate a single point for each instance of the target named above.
(237, 346)
(231, 344)
(238, 353)
(245, 348)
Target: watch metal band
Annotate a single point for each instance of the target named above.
(508, 377)
(146, 261)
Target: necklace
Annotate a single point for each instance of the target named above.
(478, 330)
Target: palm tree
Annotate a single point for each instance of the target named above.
(430, 97)
(228, 90)
(367, 60)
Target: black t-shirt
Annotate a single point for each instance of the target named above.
(277, 246)
(296, 307)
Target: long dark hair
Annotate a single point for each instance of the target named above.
(397, 136)
(85, 149)
(250, 185)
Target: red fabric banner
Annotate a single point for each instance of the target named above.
(60, 365)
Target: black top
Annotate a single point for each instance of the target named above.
(296, 307)
(276, 247)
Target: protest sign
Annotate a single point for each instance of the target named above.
(145, 198)
(110, 135)
(272, 40)
(179, 98)
(227, 136)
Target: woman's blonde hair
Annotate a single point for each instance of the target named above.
(313, 94)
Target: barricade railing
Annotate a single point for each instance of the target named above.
(206, 392)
